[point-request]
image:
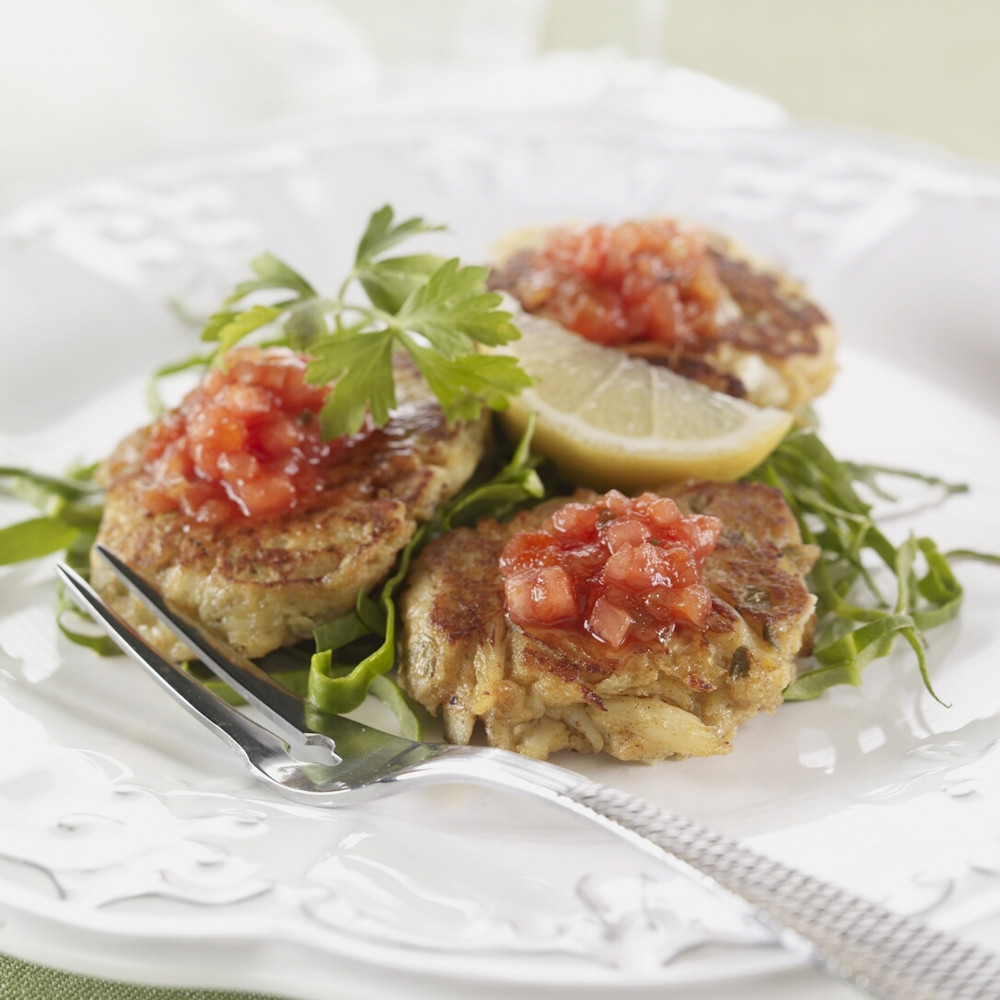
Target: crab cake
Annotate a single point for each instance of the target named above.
(680, 686)
(678, 296)
(257, 572)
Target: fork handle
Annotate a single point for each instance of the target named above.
(888, 955)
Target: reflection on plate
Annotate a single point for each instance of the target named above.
(132, 845)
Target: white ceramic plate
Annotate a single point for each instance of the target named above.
(131, 843)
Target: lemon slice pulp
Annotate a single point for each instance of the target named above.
(607, 419)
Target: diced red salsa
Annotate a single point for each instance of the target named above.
(652, 280)
(618, 568)
(245, 442)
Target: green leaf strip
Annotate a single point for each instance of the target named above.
(34, 538)
(821, 493)
(335, 688)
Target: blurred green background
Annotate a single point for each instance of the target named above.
(924, 68)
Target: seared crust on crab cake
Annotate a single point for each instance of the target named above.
(777, 343)
(771, 344)
(268, 582)
(547, 690)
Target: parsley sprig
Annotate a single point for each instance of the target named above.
(435, 309)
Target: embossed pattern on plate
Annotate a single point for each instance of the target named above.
(125, 828)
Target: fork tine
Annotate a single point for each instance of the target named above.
(241, 733)
(282, 708)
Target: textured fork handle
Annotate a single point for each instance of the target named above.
(893, 957)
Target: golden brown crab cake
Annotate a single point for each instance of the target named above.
(679, 296)
(540, 690)
(267, 581)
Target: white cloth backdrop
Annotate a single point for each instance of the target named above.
(90, 85)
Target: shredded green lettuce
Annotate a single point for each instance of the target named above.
(335, 686)
(33, 538)
(70, 513)
(857, 622)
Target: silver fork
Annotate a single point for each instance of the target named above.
(329, 760)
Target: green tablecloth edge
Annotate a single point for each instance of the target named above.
(23, 980)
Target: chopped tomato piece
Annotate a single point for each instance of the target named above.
(689, 604)
(545, 595)
(698, 532)
(236, 466)
(526, 550)
(629, 531)
(678, 566)
(241, 398)
(651, 280)
(663, 512)
(616, 503)
(246, 441)
(264, 495)
(194, 497)
(584, 561)
(576, 519)
(281, 435)
(609, 622)
(158, 502)
(619, 568)
(593, 253)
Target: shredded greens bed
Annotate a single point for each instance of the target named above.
(438, 312)
(857, 621)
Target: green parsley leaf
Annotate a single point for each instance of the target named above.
(381, 235)
(390, 282)
(453, 311)
(464, 382)
(272, 274)
(230, 328)
(306, 324)
(41, 490)
(434, 309)
(360, 364)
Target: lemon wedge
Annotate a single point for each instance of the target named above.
(607, 419)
